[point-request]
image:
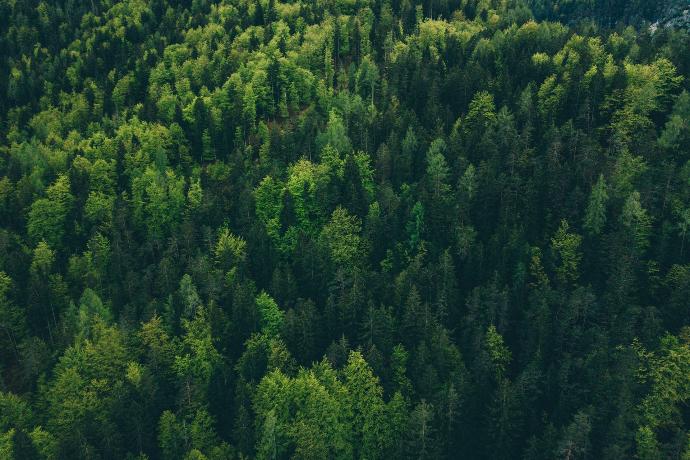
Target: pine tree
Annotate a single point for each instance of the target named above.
(595, 215)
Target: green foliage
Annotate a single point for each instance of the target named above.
(268, 197)
(47, 218)
(7, 444)
(198, 359)
(303, 184)
(627, 170)
(271, 315)
(318, 424)
(498, 353)
(192, 437)
(566, 247)
(399, 359)
(15, 412)
(667, 372)
(341, 237)
(195, 195)
(335, 135)
(91, 313)
(158, 200)
(87, 385)
(191, 302)
(481, 113)
(45, 443)
(550, 98)
(200, 200)
(595, 215)
(320, 412)
(636, 221)
(437, 170)
(230, 249)
(415, 226)
(365, 398)
(12, 318)
(647, 445)
(676, 134)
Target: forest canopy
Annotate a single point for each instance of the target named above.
(344, 229)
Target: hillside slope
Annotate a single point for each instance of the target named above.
(371, 229)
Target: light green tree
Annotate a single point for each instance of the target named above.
(636, 221)
(365, 398)
(198, 360)
(341, 237)
(566, 247)
(48, 216)
(158, 200)
(271, 316)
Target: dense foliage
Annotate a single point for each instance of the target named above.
(370, 229)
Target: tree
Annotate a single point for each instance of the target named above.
(341, 237)
(190, 437)
(502, 413)
(269, 204)
(499, 354)
(198, 360)
(354, 196)
(195, 196)
(675, 136)
(41, 275)
(566, 247)
(365, 398)
(48, 216)
(267, 448)
(575, 442)
(415, 226)
(420, 435)
(647, 445)
(318, 426)
(335, 135)
(666, 373)
(437, 169)
(16, 413)
(550, 98)
(437, 175)
(367, 76)
(85, 393)
(189, 296)
(304, 184)
(595, 215)
(90, 315)
(401, 382)
(98, 209)
(480, 115)
(405, 167)
(249, 107)
(271, 315)
(636, 222)
(649, 89)
(329, 71)
(230, 250)
(158, 200)
(170, 436)
(7, 444)
(12, 321)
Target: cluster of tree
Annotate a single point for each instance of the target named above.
(343, 229)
